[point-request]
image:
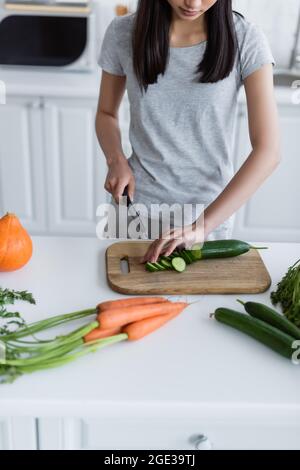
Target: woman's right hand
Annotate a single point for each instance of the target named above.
(118, 177)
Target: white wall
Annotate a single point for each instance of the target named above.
(279, 21)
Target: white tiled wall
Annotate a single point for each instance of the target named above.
(279, 21)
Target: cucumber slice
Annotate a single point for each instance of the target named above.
(166, 258)
(188, 256)
(179, 264)
(183, 254)
(166, 264)
(159, 266)
(151, 268)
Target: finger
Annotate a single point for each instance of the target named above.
(157, 250)
(116, 196)
(149, 252)
(131, 188)
(171, 247)
(119, 190)
(148, 255)
(107, 186)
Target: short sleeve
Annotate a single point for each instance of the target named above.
(109, 59)
(255, 51)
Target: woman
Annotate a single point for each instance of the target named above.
(183, 63)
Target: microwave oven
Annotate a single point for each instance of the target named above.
(57, 34)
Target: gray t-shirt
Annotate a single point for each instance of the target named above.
(182, 131)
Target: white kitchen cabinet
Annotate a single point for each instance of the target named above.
(22, 172)
(52, 170)
(76, 168)
(169, 434)
(18, 434)
(273, 212)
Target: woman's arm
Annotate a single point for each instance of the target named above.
(109, 136)
(264, 158)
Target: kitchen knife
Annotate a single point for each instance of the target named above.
(129, 203)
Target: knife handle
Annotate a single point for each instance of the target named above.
(125, 193)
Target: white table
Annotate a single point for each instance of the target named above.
(194, 376)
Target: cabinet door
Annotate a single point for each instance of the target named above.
(18, 434)
(76, 167)
(272, 214)
(168, 434)
(22, 179)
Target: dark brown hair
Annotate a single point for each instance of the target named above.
(150, 42)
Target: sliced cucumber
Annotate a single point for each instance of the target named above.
(151, 268)
(185, 256)
(179, 264)
(166, 264)
(189, 256)
(159, 266)
(166, 258)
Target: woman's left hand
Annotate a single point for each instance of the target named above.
(182, 237)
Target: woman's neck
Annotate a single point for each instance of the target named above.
(187, 33)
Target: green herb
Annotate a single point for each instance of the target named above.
(9, 319)
(10, 296)
(287, 294)
(18, 356)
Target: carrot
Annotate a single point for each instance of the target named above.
(131, 301)
(100, 333)
(118, 317)
(139, 329)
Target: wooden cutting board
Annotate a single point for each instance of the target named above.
(239, 275)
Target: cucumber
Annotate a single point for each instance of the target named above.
(275, 339)
(179, 264)
(196, 252)
(208, 250)
(151, 268)
(166, 264)
(189, 256)
(159, 266)
(186, 258)
(270, 316)
(223, 249)
(165, 258)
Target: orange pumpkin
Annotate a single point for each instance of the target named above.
(15, 244)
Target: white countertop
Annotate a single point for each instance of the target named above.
(51, 83)
(193, 364)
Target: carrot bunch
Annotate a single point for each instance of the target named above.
(136, 317)
(117, 320)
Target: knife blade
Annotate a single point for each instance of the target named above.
(129, 203)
